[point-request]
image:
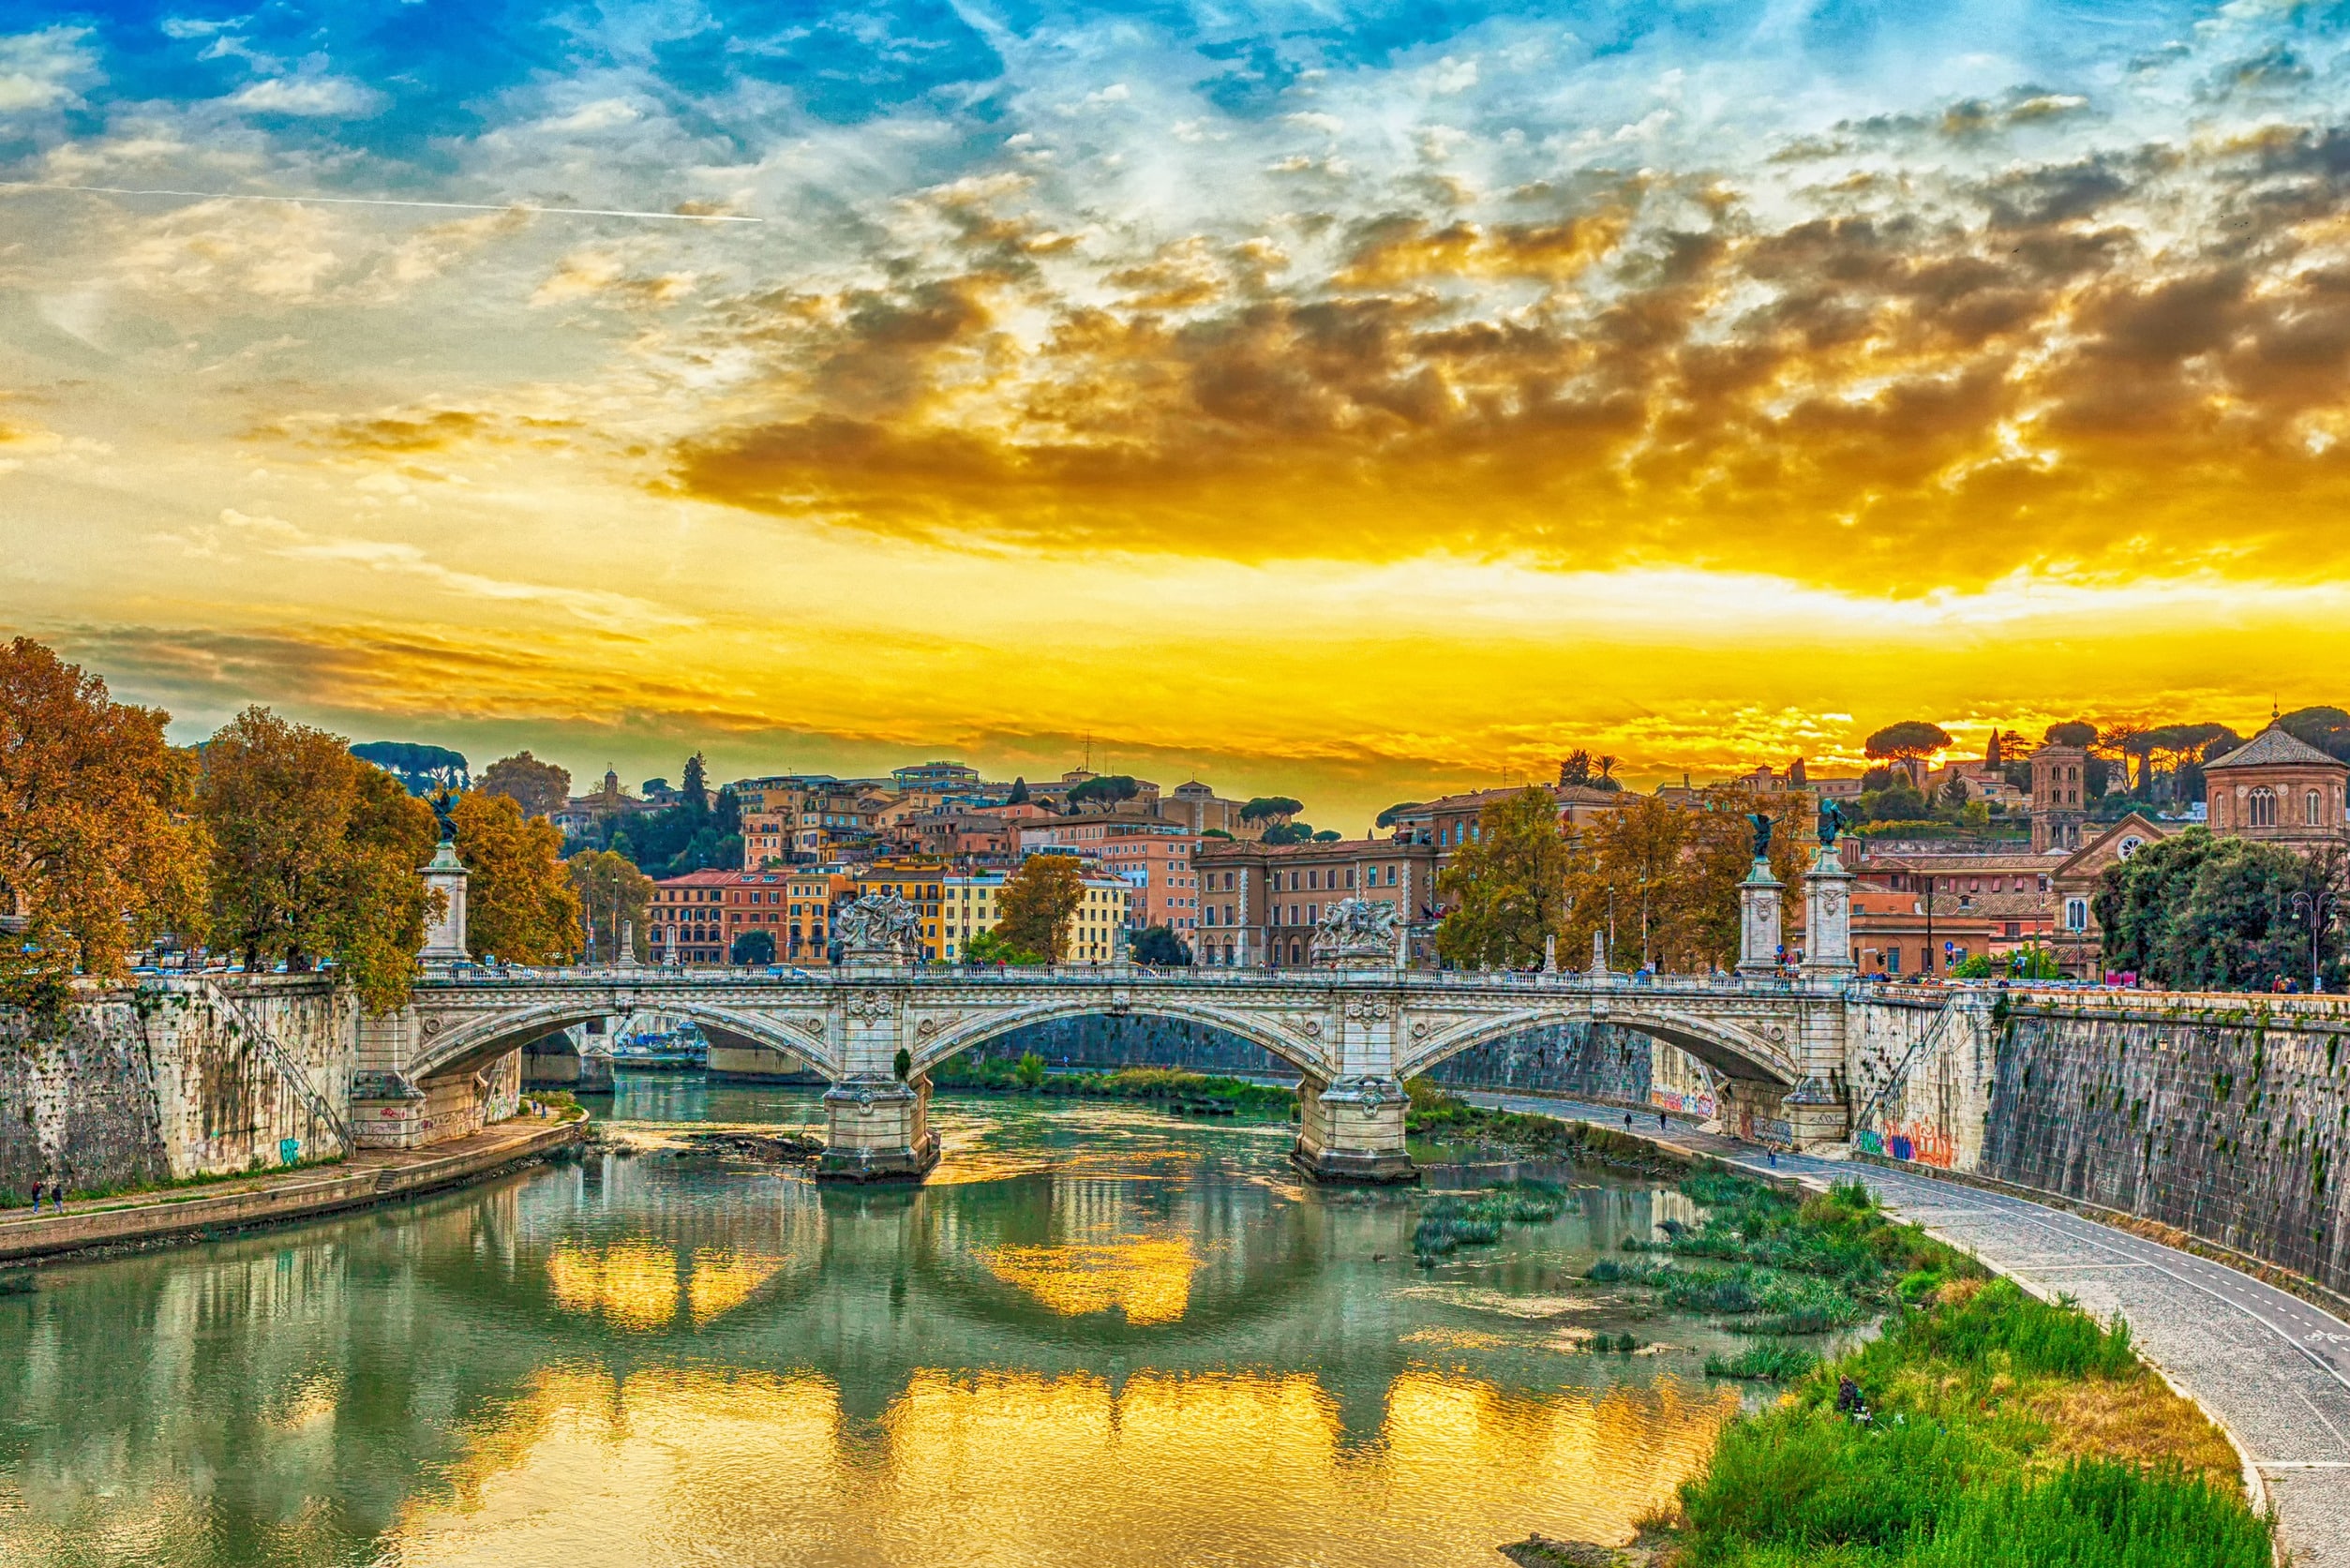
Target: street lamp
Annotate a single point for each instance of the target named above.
(2318, 909)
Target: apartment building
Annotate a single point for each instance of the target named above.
(1152, 854)
(696, 918)
(1259, 904)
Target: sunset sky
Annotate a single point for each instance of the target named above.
(1354, 401)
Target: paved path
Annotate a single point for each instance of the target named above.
(367, 1176)
(2273, 1368)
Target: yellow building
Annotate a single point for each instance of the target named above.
(969, 904)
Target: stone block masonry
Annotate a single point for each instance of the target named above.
(187, 1078)
(2226, 1117)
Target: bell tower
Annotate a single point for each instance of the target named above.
(2059, 805)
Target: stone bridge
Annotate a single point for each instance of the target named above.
(1354, 1034)
(1355, 1026)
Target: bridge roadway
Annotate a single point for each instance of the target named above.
(2269, 1367)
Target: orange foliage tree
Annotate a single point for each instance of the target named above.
(97, 857)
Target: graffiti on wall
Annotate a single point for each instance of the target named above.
(1693, 1103)
(1903, 1140)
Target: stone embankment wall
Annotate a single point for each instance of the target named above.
(174, 1079)
(1918, 1076)
(2225, 1117)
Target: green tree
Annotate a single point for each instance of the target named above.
(1160, 947)
(520, 906)
(2326, 728)
(751, 949)
(695, 792)
(1290, 832)
(1019, 796)
(1029, 1071)
(2196, 911)
(421, 768)
(1274, 809)
(2072, 732)
(1038, 901)
(1104, 792)
(989, 946)
(95, 853)
(1387, 818)
(1508, 886)
(613, 896)
(540, 788)
(1908, 741)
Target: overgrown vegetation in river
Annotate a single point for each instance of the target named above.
(1770, 1266)
(1174, 1089)
(1983, 1425)
(1447, 1118)
(1454, 1220)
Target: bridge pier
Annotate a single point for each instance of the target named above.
(1352, 1130)
(877, 1129)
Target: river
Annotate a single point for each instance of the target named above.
(1098, 1338)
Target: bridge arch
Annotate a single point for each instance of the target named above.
(465, 1046)
(1732, 1051)
(1302, 1055)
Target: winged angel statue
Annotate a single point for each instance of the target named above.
(878, 924)
(1355, 928)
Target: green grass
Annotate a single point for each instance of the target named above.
(1447, 1118)
(1766, 1363)
(1959, 1463)
(1172, 1087)
(1452, 1221)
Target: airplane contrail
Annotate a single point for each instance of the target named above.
(387, 201)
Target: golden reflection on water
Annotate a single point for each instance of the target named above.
(634, 1285)
(1043, 1470)
(1148, 1279)
(631, 1284)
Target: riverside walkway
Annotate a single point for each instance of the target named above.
(2269, 1367)
(370, 1176)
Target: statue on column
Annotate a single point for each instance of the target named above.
(1760, 823)
(1831, 824)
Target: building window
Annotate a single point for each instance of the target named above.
(2262, 811)
(2076, 914)
(2314, 810)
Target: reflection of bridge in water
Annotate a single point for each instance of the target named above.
(452, 1340)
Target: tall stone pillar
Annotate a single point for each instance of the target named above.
(1828, 918)
(444, 938)
(1350, 1126)
(1759, 921)
(877, 1124)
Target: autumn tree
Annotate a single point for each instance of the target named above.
(314, 855)
(540, 788)
(1702, 922)
(1038, 901)
(1627, 889)
(1508, 886)
(93, 860)
(613, 896)
(520, 905)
